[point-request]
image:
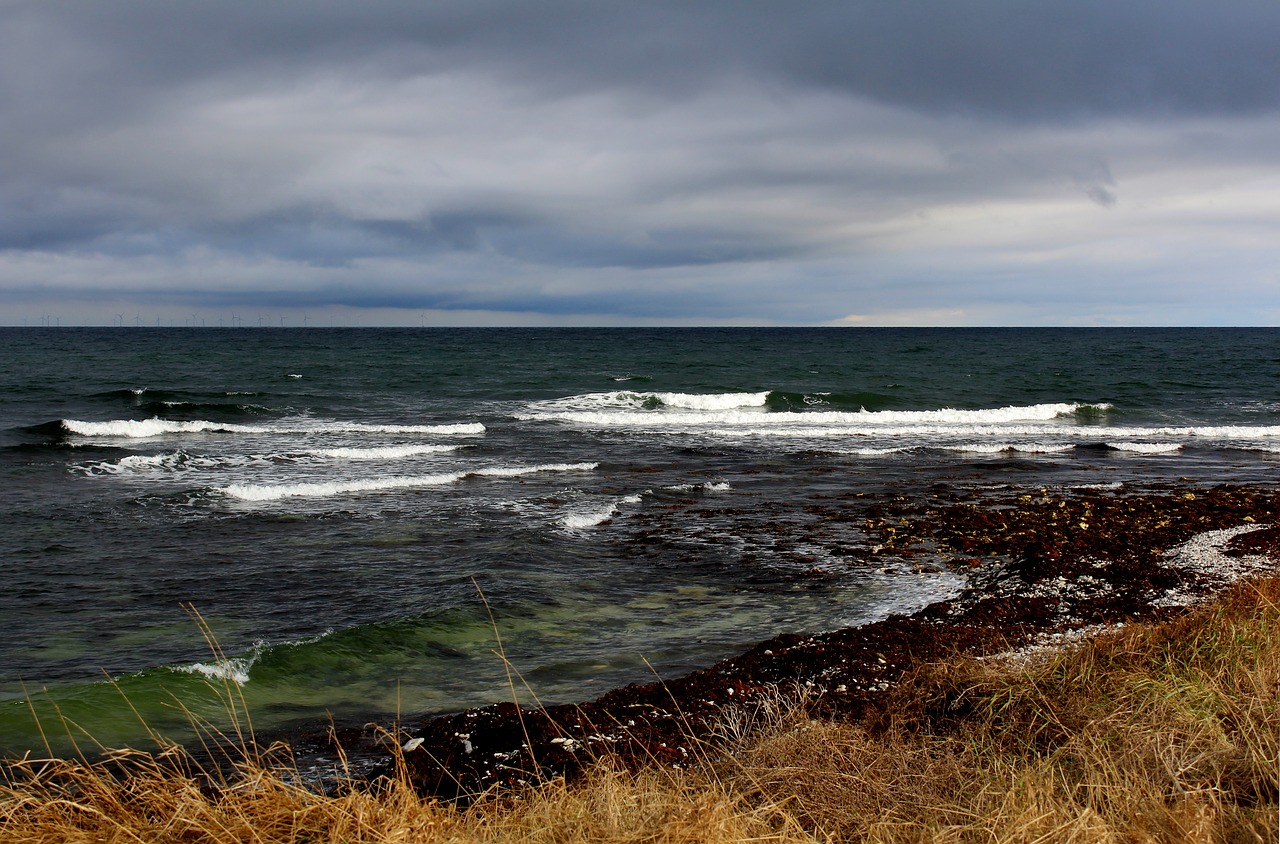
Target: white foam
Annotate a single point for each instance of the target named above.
(155, 427)
(940, 435)
(1049, 427)
(1042, 448)
(721, 401)
(977, 448)
(390, 452)
(517, 471)
(599, 515)
(708, 486)
(876, 452)
(181, 461)
(461, 428)
(1210, 432)
(141, 428)
(590, 518)
(1002, 447)
(235, 670)
(138, 463)
(622, 400)
(150, 462)
(159, 463)
(1146, 448)
(724, 412)
(333, 489)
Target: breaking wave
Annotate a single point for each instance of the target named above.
(599, 514)
(181, 461)
(1146, 448)
(660, 410)
(1002, 447)
(144, 428)
(232, 669)
(331, 489)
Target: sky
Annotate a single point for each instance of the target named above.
(651, 162)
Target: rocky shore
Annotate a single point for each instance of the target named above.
(1041, 566)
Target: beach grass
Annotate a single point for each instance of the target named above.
(1161, 732)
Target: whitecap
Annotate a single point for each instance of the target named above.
(1042, 448)
(622, 400)
(1146, 448)
(708, 486)
(977, 448)
(332, 489)
(517, 471)
(234, 669)
(737, 410)
(154, 427)
(713, 401)
(1008, 448)
(390, 452)
(876, 452)
(181, 461)
(598, 515)
(143, 428)
(168, 462)
(590, 518)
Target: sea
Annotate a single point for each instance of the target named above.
(358, 524)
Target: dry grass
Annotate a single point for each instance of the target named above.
(70, 802)
(1164, 733)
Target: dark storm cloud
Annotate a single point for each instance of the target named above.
(1041, 59)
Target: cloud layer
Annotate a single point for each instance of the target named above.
(858, 162)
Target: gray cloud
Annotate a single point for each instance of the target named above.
(1000, 56)
(649, 161)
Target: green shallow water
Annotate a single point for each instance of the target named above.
(574, 648)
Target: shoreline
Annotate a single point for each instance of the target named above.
(1060, 564)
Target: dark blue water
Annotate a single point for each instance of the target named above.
(335, 503)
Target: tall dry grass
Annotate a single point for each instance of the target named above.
(1155, 733)
(71, 802)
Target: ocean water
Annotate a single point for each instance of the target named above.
(361, 516)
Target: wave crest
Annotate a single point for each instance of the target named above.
(1145, 448)
(181, 461)
(155, 427)
(332, 489)
(231, 669)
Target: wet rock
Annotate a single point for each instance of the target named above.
(1038, 562)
